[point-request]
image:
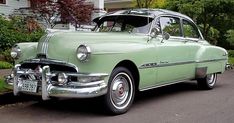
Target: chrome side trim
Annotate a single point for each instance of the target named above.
(166, 64)
(212, 60)
(163, 64)
(162, 85)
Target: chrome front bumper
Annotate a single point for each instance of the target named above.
(47, 89)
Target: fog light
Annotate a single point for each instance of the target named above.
(62, 78)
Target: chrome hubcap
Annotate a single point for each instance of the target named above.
(211, 79)
(121, 91)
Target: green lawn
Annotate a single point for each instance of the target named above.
(3, 86)
(231, 60)
(5, 65)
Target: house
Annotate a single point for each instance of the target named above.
(22, 7)
(112, 5)
(7, 7)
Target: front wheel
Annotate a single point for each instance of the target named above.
(207, 82)
(121, 91)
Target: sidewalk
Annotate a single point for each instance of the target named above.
(4, 72)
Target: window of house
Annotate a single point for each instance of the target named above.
(190, 30)
(171, 25)
(2, 1)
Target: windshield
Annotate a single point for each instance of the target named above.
(131, 24)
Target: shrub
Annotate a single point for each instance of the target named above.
(15, 30)
(231, 60)
(5, 65)
(4, 87)
(231, 53)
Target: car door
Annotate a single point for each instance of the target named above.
(193, 39)
(172, 55)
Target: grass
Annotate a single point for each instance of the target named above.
(231, 60)
(5, 65)
(3, 86)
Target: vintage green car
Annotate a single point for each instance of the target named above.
(128, 51)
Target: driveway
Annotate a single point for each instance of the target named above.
(179, 103)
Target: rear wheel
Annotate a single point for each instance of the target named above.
(121, 91)
(207, 82)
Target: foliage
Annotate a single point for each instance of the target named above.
(212, 36)
(6, 56)
(47, 10)
(73, 11)
(231, 60)
(2, 85)
(215, 16)
(149, 3)
(230, 37)
(5, 65)
(14, 30)
(231, 53)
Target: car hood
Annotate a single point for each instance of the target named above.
(64, 44)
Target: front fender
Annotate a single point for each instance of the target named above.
(28, 51)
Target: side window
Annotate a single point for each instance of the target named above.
(170, 25)
(190, 30)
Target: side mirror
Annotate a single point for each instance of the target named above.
(165, 36)
(154, 32)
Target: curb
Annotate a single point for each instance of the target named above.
(5, 93)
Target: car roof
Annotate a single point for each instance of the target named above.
(143, 13)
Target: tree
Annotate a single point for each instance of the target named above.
(47, 10)
(230, 37)
(208, 13)
(70, 11)
(76, 12)
(149, 3)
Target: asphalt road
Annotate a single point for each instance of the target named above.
(180, 103)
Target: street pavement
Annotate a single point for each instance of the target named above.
(179, 103)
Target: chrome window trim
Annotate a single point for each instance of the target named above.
(191, 22)
(181, 25)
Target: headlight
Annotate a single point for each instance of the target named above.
(83, 53)
(15, 52)
(62, 79)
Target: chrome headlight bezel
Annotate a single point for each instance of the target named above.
(83, 53)
(15, 52)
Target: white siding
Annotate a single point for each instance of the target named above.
(11, 5)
